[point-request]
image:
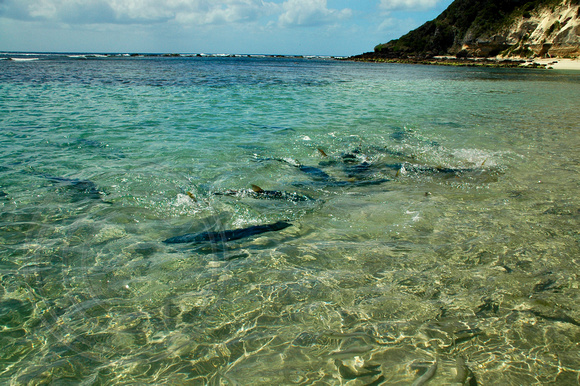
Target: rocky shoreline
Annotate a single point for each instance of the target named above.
(443, 61)
(498, 62)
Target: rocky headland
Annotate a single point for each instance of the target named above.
(540, 33)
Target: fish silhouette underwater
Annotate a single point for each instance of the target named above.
(227, 235)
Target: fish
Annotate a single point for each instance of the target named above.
(355, 164)
(89, 188)
(259, 193)
(97, 147)
(465, 376)
(418, 168)
(347, 372)
(405, 135)
(557, 317)
(345, 158)
(312, 171)
(341, 184)
(465, 335)
(349, 158)
(351, 352)
(321, 178)
(489, 305)
(359, 171)
(423, 379)
(227, 235)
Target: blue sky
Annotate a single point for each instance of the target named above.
(291, 27)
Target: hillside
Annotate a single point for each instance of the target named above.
(488, 28)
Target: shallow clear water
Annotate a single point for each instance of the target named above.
(447, 227)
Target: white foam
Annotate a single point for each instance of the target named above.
(24, 59)
(291, 161)
(475, 157)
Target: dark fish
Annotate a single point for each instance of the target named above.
(465, 335)
(359, 171)
(345, 158)
(259, 193)
(354, 164)
(320, 177)
(546, 285)
(341, 184)
(83, 186)
(228, 235)
(313, 172)
(434, 169)
(349, 158)
(557, 317)
(489, 305)
(100, 147)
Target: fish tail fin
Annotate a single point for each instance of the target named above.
(257, 189)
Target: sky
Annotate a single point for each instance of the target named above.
(280, 27)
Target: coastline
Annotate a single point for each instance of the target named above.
(560, 64)
(497, 62)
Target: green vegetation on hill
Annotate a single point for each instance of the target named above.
(462, 20)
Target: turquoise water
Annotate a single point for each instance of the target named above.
(445, 230)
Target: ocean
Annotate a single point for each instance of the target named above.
(430, 222)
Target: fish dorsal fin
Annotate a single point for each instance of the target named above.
(257, 189)
(192, 196)
(322, 152)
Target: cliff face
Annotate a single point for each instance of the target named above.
(484, 28)
(552, 31)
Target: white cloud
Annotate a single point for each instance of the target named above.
(415, 5)
(310, 13)
(223, 11)
(191, 12)
(138, 11)
(258, 26)
(396, 26)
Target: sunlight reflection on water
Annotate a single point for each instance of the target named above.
(442, 230)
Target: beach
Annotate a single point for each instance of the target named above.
(560, 64)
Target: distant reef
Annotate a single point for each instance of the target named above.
(489, 32)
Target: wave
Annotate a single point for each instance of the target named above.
(24, 59)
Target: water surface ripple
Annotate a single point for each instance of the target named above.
(435, 235)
